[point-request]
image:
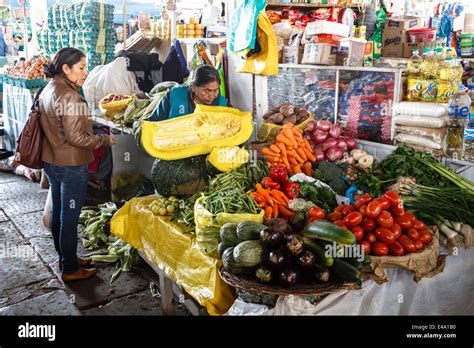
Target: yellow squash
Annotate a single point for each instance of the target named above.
(197, 133)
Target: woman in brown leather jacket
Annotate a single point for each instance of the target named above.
(67, 149)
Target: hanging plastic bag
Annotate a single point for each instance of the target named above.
(243, 25)
(264, 62)
(208, 225)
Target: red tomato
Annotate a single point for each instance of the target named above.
(413, 234)
(379, 249)
(363, 210)
(370, 237)
(396, 230)
(407, 244)
(385, 219)
(365, 246)
(419, 225)
(393, 197)
(404, 222)
(358, 232)
(369, 224)
(353, 219)
(398, 211)
(339, 208)
(425, 236)
(410, 216)
(385, 235)
(396, 249)
(419, 245)
(373, 209)
(316, 213)
(348, 209)
(340, 223)
(384, 202)
(335, 216)
(362, 200)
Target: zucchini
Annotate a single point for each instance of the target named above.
(345, 271)
(353, 261)
(248, 253)
(229, 263)
(228, 234)
(339, 247)
(318, 252)
(222, 247)
(327, 231)
(248, 230)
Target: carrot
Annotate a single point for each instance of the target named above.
(310, 155)
(282, 149)
(258, 197)
(275, 148)
(268, 212)
(292, 160)
(267, 152)
(288, 125)
(296, 169)
(289, 134)
(275, 211)
(285, 211)
(307, 169)
(307, 146)
(282, 196)
(297, 132)
(265, 194)
(261, 205)
(276, 197)
(301, 153)
(283, 139)
(286, 162)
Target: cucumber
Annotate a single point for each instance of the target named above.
(339, 250)
(248, 253)
(248, 230)
(345, 271)
(354, 262)
(318, 252)
(229, 263)
(228, 234)
(327, 231)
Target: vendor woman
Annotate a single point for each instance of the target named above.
(182, 100)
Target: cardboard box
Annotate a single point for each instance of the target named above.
(290, 55)
(402, 23)
(317, 53)
(326, 27)
(469, 23)
(393, 41)
(394, 51)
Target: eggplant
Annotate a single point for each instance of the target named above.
(294, 244)
(278, 225)
(306, 260)
(278, 258)
(289, 277)
(271, 238)
(321, 273)
(264, 274)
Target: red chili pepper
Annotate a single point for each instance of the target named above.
(291, 190)
(279, 174)
(268, 183)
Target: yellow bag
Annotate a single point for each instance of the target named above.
(191, 133)
(208, 225)
(112, 108)
(266, 61)
(268, 131)
(169, 248)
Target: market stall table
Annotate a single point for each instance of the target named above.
(168, 247)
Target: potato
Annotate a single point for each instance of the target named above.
(291, 119)
(267, 115)
(277, 118)
(287, 110)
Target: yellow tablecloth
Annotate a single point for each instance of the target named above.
(176, 253)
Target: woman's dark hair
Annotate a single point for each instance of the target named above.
(205, 74)
(66, 55)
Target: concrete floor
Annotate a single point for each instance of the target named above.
(30, 282)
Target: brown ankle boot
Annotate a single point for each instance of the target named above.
(82, 273)
(83, 261)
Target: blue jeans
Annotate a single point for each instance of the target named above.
(68, 187)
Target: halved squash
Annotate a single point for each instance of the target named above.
(197, 133)
(225, 159)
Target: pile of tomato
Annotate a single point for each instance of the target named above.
(381, 225)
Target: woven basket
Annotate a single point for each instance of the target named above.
(316, 289)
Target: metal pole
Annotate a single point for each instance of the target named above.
(124, 24)
(25, 30)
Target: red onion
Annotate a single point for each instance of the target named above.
(335, 132)
(320, 147)
(308, 136)
(319, 136)
(311, 126)
(324, 125)
(331, 142)
(319, 154)
(342, 144)
(334, 153)
(351, 143)
(312, 144)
